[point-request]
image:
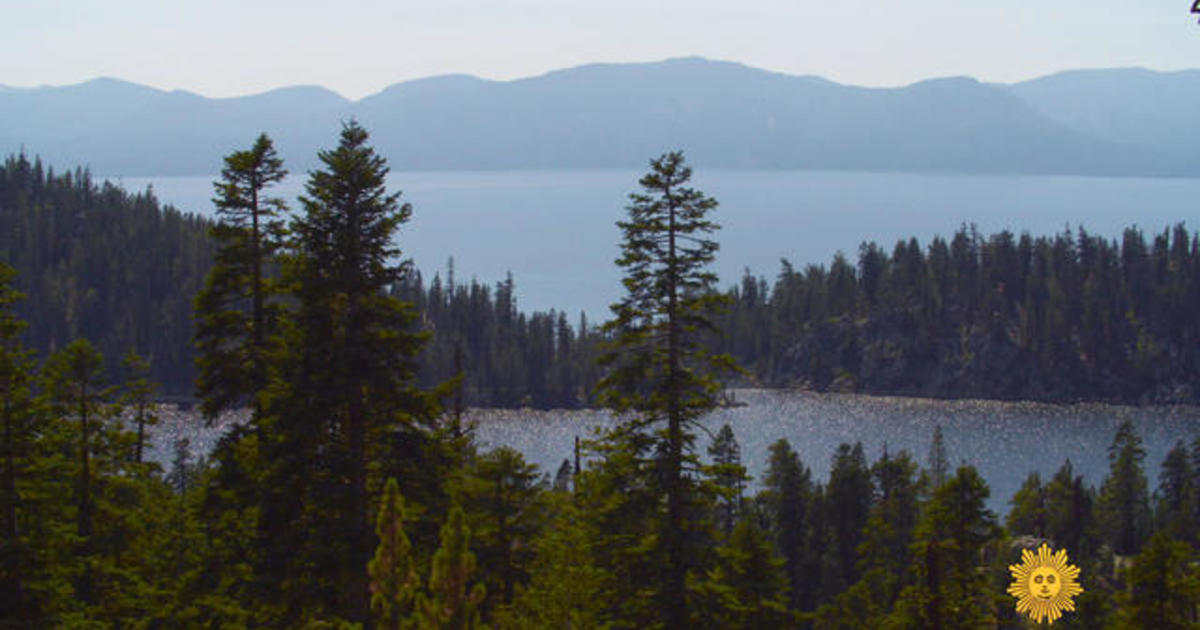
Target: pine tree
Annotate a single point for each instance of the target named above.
(235, 318)
(1028, 513)
(747, 589)
(346, 393)
(939, 463)
(659, 370)
(18, 413)
(394, 580)
(1164, 588)
(1177, 496)
(729, 476)
(1124, 507)
(567, 589)
(848, 502)
(138, 390)
(453, 603)
(787, 498)
(948, 591)
(500, 495)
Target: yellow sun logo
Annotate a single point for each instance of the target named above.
(1044, 584)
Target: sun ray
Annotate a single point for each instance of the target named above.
(1044, 584)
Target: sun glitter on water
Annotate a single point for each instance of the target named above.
(1044, 584)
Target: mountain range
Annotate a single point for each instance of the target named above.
(723, 115)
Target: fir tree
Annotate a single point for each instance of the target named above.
(787, 498)
(1177, 496)
(346, 394)
(729, 477)
(18, 442)
(1124, 502)
(453, 603)
(1164, 588)
(394, 580)
(137, 397)
(659, 371)
(235, 321)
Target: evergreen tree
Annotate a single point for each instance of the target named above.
(562, 478)
(1164, 588)
(500, 495)
(948, 590)
(76, 385)
(939, 463)
(659, 369)
(747, 588)
(137, 398)
(1124, 507)
(1070, 518)
(848, 502)
(1177, 496)
(394, 580)
(729, 477)
(234, 320)
(787, 498)
(346, 398)
(567, 589)
(19, 437)
(1028, 514)
(453, 603)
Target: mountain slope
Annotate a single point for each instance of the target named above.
(606, 115)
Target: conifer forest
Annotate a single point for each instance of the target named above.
(355, 494)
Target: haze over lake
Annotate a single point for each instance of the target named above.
(555, 229)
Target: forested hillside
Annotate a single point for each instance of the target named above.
(1066, 317)
(97, 262)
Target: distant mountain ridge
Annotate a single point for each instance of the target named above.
(724, 114)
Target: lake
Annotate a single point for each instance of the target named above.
(1004, 440)
(555, 230)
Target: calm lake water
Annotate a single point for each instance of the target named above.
(555, 230)
(1005, 441)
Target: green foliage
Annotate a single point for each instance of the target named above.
(343, 406)
(747, 588)
(236, 318)
(787, 501)
(729, 478)
(453, 603)
(567, 588)
(1028, 514)
(100, 263)
(1164, 588)
(659, 370)
(1065, 317)
(394, 580)
(947, 590)
(1177, 496)
(1123, 507)
(501, 497)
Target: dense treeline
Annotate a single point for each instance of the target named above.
(1067, 317)
(353, 497)
(508, 358)
(95, 261)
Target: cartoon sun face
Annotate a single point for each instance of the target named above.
(1044, 584)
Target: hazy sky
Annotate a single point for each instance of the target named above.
(234, 47)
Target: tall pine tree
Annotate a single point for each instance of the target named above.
(234, 318)
(659, 370)
(348, 385)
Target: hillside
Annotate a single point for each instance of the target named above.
(724, 115)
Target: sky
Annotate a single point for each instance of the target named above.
(221, 48)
